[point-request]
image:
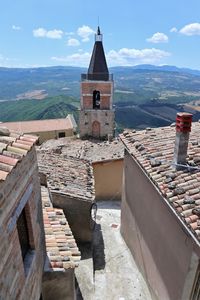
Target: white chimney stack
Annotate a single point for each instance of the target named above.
(183, 128)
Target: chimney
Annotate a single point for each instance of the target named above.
(183, 128)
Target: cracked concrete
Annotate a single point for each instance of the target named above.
(107, 270)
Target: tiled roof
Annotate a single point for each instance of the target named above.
(61, 247)
(91, 150)
(13, 147)
(153, 149)
(70, 176)
(40, 125)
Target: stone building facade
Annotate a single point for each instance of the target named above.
(96, 117)
(160, 217)
(22, 247)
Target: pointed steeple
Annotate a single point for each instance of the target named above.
(98, 30)
(98, 66)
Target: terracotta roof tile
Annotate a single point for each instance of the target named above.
(21, 145)
(71, 176)
(17, 150)
(61, 247)
(153, 149)
(12, 150)
(3, 175)
(8, 160)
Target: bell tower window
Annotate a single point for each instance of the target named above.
(96, 99)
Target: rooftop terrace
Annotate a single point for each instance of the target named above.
(91, 150)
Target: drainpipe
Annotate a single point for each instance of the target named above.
(183, 128)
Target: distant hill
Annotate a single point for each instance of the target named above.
(144, 95)
(49, 108)
(144, 81)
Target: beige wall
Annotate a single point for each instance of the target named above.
(161, 246)
(54, 134)
(108, 179)
(21, 279)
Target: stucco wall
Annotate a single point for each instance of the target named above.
(54, 134)
(21, 279)
(163, 249)
(108, 179)
(77, 213)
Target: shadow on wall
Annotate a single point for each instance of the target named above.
(98, 247)
(79, 295)
(113, 204)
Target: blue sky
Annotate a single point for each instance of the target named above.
(61, 32)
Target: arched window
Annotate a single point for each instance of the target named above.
(96, 99)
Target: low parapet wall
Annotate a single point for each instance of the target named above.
(77, 212)
(108, 179)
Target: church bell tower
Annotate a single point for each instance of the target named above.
(96, 113)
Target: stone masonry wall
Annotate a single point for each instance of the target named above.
(104, 117)
(21, 279)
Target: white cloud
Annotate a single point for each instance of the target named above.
(69, 33)
(173, 29)
(14, 27)
(85, 32)
(51, 34)
(40, 32)
(76, 59)
(54, 34)
(130, 57)
(191, 29)
(73, 42)
(123, 57)
(158, 37)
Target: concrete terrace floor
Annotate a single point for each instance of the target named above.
(107, 270)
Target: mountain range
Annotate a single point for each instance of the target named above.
(144, 95)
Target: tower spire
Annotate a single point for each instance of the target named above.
(98, 65)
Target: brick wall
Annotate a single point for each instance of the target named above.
(106, 94)
(87, 87)
(21, 279)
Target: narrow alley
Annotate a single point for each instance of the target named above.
(108, 271)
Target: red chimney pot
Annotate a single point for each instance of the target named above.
(183, 122)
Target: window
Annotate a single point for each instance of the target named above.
(61, 134)
(23, 234)
(96, 99)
